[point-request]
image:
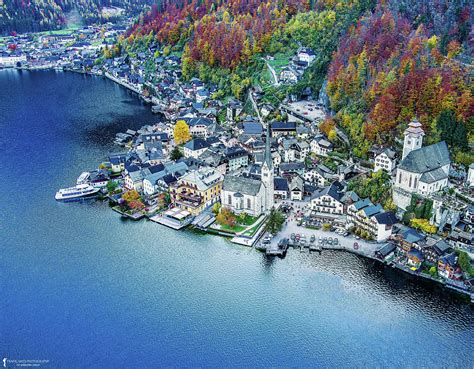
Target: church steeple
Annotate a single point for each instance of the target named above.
(267, 173)
(268, 154)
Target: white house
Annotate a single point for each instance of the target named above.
(328, 200)
(306, 54)
(289, 75)
(371, 219)
(320, 146)
(314, 176)
(385, 160)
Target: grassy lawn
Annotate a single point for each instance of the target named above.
(251, 231)
(235, 229)
(280, 61)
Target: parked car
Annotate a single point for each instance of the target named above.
(312, 239)
(292, 236)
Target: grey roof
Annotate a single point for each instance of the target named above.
(433, 176)
(196, 144)
(426, 158)
(387, 218)
(332, 191)
(247, 186)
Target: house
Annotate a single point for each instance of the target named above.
(315, 176)
(448, 267)
(422, 170)
(195, 148)
(296, 186)
(156, 182)
(234, 108)
(328, 200)
(306, 54)
(200, 126)
(414, 258)
(385, 251)
(289, 75)
(321, 146)
(288, 169)
(283, 129)
(117, 163)
(385, 160)
(202, 95)
(281, 188)
(371, 219)
(197, 190)
(243, 195)
(236, 157)
(134, 179)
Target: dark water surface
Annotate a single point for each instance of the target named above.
(81, 288)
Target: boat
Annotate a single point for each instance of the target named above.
(83, 178)
(81, 190)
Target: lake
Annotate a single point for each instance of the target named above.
(83, 288)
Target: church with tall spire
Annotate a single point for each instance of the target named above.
(267, 173)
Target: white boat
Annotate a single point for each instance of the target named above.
(83, 178)
(82, 190)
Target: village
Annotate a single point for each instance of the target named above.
(266, 176)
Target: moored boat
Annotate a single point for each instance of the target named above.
(82, 190)
(83, 178)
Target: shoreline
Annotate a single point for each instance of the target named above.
(426, 278)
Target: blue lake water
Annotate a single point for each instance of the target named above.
(82, 288)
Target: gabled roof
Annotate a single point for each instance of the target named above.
(433, 176)
(196, 144)
(280, 184)
(246, 186)
(387, 218)
(427, 158)
(333, 191)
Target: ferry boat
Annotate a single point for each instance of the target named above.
(83, 178)
(82, 190)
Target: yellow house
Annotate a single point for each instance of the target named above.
(197, 190)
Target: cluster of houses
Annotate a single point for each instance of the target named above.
(293, 72)
(75, 50)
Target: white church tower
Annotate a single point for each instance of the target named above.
(413, 137)
(267, 173)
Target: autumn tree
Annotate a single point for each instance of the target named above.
(181, 132)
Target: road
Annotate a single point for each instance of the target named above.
(274, 75)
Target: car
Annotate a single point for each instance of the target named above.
(313, 238)
(292, 236)
(325, 239)
(298, 236)
(346, 234)
(336, 241)
(357, 238)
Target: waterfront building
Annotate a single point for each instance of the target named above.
(328, 200)
(372, 219)
(197, 190)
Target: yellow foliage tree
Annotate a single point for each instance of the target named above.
(181, 132)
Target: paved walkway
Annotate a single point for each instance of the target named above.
(365, 248)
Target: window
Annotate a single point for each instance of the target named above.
(249, 203)
(400, 177)
(229, 199)
(409, 183)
